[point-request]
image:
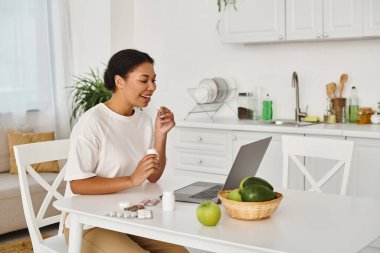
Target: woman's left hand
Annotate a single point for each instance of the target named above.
(164, 120)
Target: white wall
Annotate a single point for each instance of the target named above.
(98, 29)
(181, 36)
(122, 25)
(90, 32)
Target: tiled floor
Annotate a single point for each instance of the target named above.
(24, 233)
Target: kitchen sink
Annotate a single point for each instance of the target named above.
(284, 122)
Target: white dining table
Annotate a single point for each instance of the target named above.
(304, 222)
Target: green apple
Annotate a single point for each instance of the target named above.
(235, 195)
(208, 213)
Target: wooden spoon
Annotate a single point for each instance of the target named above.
(343, 80)
(330, 89)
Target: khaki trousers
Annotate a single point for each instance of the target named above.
(99, 240)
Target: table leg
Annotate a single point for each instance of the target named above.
(76, 233)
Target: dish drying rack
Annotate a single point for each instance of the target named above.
(210, 109)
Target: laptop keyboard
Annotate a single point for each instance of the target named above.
(209, 193)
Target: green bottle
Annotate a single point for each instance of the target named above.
(354, 106)
(267, 108)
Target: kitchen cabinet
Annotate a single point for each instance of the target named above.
(342, 19)
(271, 165)
(323, 19)
(202, 150)
(304, 19)
(253, 21)
(207, 153)
(371, 17)
(365, 168)
(291, 20)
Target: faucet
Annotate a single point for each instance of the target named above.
(298, 114)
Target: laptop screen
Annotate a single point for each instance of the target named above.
(247, 162)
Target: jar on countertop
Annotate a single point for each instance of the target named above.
(329, 115)
(246, 103)
(364, 115)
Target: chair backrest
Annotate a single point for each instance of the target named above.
(29, 154)
(339, 150)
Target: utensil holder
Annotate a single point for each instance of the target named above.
(339, 106)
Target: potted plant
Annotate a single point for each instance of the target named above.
(222, 4)
(87, 91)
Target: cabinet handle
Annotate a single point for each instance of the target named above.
(325, 35)
(318, 35)
(200, 139)
(280, 37)
(234, 138)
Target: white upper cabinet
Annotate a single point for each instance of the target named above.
(304, 19)
(254, 21)
(371, 17)
(279, 20)
(323, 19)
(342, 19)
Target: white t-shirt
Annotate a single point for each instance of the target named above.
(106, 144)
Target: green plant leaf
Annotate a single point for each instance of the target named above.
(86, 92)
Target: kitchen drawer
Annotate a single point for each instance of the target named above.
(203, 139)
(205, 162)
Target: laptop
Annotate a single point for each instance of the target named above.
(246, 163)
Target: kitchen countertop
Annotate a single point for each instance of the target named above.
(342, 129)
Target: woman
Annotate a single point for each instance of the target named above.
(109, 143)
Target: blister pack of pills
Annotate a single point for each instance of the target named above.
(140, 214)
(129, 211)
(149, 202)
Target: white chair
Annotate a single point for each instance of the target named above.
(339, 150)
(26, 155)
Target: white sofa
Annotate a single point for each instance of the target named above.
(12, 213)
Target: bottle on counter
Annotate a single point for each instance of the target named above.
(168, 201)
(353, 106)
(267, 108)
(329, 115)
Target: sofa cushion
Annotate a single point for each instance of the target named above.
(4, 150)
(17, 138)
(10, 187)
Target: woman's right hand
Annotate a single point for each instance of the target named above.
(146, 167)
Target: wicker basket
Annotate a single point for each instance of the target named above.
(249, 210)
